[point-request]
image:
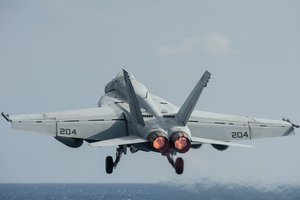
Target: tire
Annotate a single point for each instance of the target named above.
(179, 165)
(109, 164)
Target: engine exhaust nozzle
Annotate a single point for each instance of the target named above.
(159, 141)
(181, 142)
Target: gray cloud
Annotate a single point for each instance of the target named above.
(213, 43)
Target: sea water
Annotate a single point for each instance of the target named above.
(146, 191)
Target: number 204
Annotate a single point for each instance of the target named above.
(239, 135)
(66, 131)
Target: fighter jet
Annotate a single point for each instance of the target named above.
(129, 117)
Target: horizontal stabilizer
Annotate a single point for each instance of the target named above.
(119, 141)
(209, 141)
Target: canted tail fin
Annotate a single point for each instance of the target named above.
(134, 106)
(187, 108)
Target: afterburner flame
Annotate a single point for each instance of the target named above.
(159, 143)
(181, 143)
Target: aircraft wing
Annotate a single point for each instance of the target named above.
(100, 123)
(209, 141)
(223, 127)
(131, 139)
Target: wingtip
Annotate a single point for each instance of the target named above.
(124, 71)
(293, 124)
(6, 116)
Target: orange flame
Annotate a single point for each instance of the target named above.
(159, 143)
(181, 143)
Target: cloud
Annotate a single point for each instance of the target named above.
(213, 43)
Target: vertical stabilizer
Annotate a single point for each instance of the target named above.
(134, 106)
(187, 108)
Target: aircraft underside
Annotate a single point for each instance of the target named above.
(111, 164)
(129, 117)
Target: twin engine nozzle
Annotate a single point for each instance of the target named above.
(159, 140)
(179, 141)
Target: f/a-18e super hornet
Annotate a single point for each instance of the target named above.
(128, 116)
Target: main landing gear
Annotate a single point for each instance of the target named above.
(178, 164)
(110, 164)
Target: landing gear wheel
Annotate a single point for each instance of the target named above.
(179, 165)
(109, 164)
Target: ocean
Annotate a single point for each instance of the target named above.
(146, 191)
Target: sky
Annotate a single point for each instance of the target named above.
(59, 55)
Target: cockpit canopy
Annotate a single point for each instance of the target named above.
(119, 78)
